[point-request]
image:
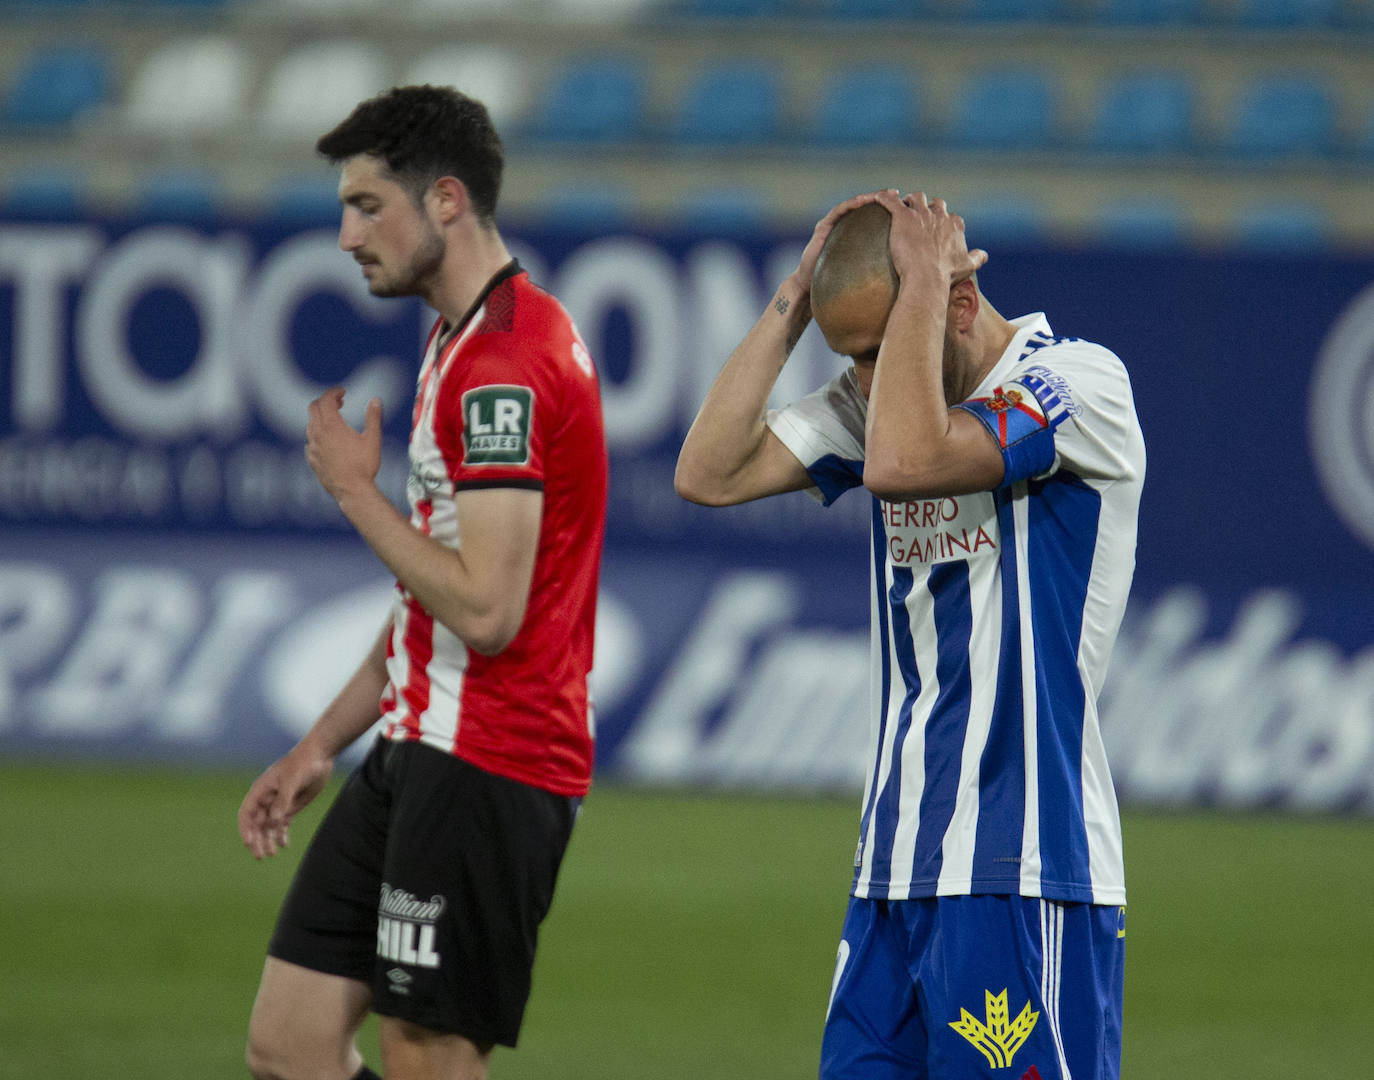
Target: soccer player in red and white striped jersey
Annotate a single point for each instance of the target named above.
(421, 895)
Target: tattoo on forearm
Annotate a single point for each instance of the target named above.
(781, 304)
(801, 319)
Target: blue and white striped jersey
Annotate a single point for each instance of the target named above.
(993, 620)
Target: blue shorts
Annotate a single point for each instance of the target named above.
(1005, 987)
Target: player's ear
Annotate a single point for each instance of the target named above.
(964, 302)
(450, 197)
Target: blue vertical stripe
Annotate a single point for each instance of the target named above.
(878, 538)
(889, 804)
(947, 726)
(1002, 770)
(1063, 538)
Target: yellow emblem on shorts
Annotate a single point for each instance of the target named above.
(998, 1039)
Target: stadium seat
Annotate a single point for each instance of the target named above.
(728, 210)
(492, 75)
(1141, 224)
(304, 200)
(583, 208)
(870, 9)
(1286, 14)
(1149, 11)
(1011, 9)
(867, 105)
(1144, 111)
(55, 85)
(315, 86)
(592, 99)
(190, 85)
(1282, 114)
(728, 9)
(179, 195)
(1282, 226)
(1004, 108)
(731, 102)
(49, 191)
(996, 220)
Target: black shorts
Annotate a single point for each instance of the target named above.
(428, 879)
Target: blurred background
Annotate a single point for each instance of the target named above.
(1189, 182)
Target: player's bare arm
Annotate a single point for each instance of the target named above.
(479, 592)
(915, 445)
(288, 785)
(730, 456)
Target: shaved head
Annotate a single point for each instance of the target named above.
(855, 255)
(854, 284)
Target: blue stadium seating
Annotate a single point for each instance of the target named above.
(729, 9)
(1283, 226)
(724, 210)
(1011, 9)
(592, 99)
(869, 9)
(1144, 111)
(1005, 108)
(48, 191)
(993, 220)
(1149, 11)
(1287, 14)
(730, 102)
(303, 200)
(1278, 114)
(179, 195)
(1142, 224)
(55, 85)
(867, 105)
(585, 208)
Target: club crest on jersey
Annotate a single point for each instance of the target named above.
(496, 425)
(997, 1037)
(1012, 414)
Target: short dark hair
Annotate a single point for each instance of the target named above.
(423, 133)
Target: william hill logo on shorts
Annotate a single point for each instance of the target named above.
(405, 927)
(496, 425)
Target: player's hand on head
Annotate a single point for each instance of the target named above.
(926, 239)
(806, 268)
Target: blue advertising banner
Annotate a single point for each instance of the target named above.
(174, 584)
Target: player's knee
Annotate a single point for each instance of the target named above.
(413, 1052)
(261, 1063)
(271, 1057)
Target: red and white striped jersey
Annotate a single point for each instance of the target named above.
(509, 400)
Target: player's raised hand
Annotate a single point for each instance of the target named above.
(806, 268)
(342, 458)
(926, 239)
(276, 797)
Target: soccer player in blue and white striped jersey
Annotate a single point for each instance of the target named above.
(985, 933)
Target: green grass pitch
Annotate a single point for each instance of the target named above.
(692, 937)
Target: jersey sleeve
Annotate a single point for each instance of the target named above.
(494, 418)
(825, 432)
(1067, 406)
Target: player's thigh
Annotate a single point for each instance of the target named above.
(873, 1028)
(1026, 985)
(304, 1022)
(412, 1052)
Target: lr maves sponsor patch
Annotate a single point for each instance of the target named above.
(496, 425)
